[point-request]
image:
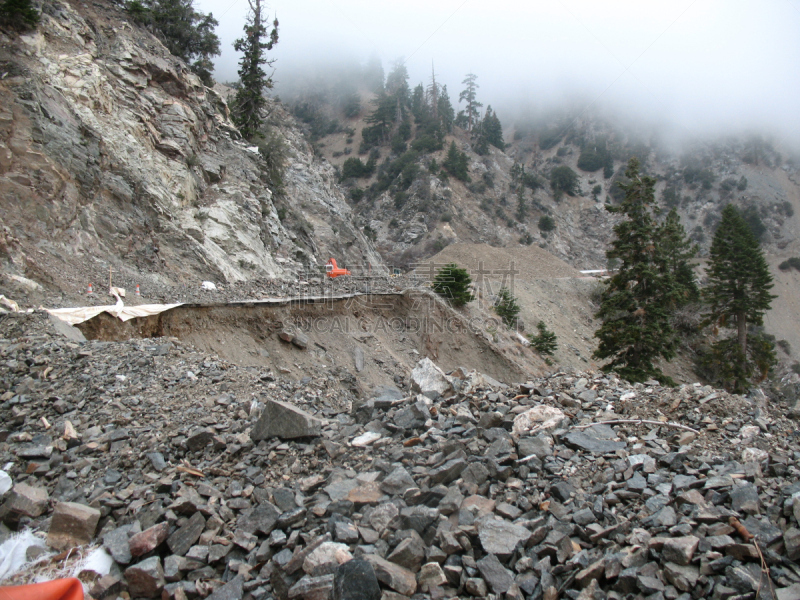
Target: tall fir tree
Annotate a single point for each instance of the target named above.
(678, 251)
(493, 129)
(470, 95)
(636, 303)
(738, 295)
(446, 112)
(253, 80)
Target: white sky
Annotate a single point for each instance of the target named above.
(721, 65)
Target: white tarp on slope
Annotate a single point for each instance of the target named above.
(73, 316)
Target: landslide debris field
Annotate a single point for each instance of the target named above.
(371, 339)
(201, 477)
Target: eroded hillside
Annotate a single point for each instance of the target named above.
(114, 155)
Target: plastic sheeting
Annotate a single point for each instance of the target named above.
(74, 316)
(13, 552)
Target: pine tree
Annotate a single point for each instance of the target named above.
(738, 295)
(636, 304)
(253, 80)
(493, 129)
(678, 251)
(545, 342)
(453, 283)
(187, 33)
(506, 307)
(470, 94)
(18, 14)
(446, 112)
(433, 92)
(456, 163)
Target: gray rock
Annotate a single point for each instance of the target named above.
(680, 550)
(498, 578)
(145, 579)
(791, 540)
(233, 590)
(300, 340)
(355, 580)
(199, 440)
(745, 499)
(24, 501)
(746, 577)
(358, 359)
(396, 577)
(431, 575)
(116, 542)
(448, 472)
(540, 446)
(666, 517)
(499, 536)
(185, 537)
(682, 577)
(409, 553)
(590, 443)
(397, 482)
(429, 380)
(260, 519)
(312, 588)
(382, 515)
(283, 420)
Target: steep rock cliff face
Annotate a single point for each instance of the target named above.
(113, 154)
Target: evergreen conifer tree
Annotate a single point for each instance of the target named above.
(545, 342)
(452, 283)
(738, 295)
(187, 33)
(506, 307)
(446, 112)
(470, 94)
(18, 14)
(253, 80)
(493, 129)
(637, 301)
(456, 163)
(678, 250)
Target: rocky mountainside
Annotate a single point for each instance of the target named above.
(697, 178)
(113, 154)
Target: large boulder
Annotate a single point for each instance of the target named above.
(429, 380)
(280, 419)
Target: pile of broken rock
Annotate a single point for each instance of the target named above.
(231, 485)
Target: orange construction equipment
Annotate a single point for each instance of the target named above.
(332, 271)
(59, 589)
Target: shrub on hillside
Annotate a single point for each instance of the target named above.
(790, 263)
(546, 223)
(564, 180)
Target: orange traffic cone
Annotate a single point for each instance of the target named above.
(59, 589)
(90, 291)
(138, 293)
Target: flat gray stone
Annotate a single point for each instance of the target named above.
(185, 537)
(285, 421)
(497, 577)
(590, 443)
(500, 537)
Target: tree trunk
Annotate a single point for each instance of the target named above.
(741, 323)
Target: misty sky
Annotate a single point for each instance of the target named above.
(697, 66)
